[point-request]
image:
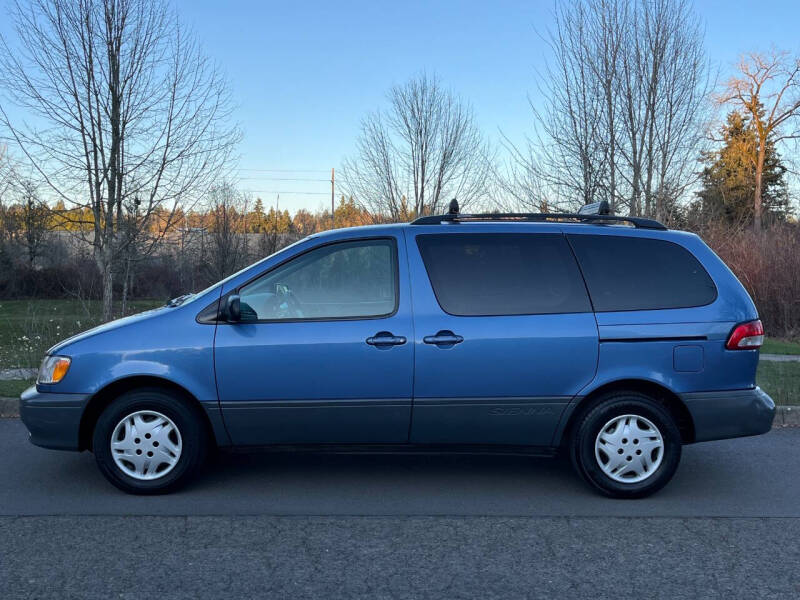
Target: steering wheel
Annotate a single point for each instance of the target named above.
(288, 304)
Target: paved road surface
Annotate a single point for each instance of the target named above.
(311, 526)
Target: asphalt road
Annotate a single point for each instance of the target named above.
(338, 526)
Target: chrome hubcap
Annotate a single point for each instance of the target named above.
(629, 448)
(146, 445)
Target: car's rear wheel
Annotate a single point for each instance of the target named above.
(149, 441)
(626, 446)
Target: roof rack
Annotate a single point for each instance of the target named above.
(597, 213)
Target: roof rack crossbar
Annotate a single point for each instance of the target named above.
(638, 222)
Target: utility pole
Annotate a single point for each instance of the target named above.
(333, 206)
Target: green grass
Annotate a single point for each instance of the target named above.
(13, 388)
(775, 346)
(781, 380)
(29, 327)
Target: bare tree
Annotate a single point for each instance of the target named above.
(520, 183)
(609, 22)
(128, 106)
(34, 221)
(131, 238)
(566, 151)
(418, 154)
(5, 172)
(24, 217)
(623, 111)
(680, 109)
(767, 88)
(665, 85)
(227, 237)
(5, 184)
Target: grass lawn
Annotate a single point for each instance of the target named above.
(781, 380)
(29, 327)
(13, 388)
(776, 346)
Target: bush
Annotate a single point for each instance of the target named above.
(58, 281)
(768, 265)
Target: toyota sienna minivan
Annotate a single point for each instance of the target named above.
(611, 339)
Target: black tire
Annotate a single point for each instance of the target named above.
(193, 435)
(582, 444)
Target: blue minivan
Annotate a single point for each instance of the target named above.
(608, 338)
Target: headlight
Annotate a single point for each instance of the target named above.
(53, 369)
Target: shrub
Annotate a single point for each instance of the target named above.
(768, 265)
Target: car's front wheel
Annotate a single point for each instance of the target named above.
(149, 441)
(626, 446)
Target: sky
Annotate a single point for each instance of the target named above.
(304, 74)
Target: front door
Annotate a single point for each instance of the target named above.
(505, 333)
(323, 352)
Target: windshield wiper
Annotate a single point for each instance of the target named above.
(179, 300)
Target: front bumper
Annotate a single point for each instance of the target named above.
(52, 419)
(730, 414)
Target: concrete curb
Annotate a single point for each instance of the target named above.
(780, 357)
(9, 407)
(11, 374)
(785, 416)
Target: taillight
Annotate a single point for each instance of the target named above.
(746, 336)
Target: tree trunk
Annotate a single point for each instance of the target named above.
(762, 150)
(126, 286)
(103, 260)
(612, 162)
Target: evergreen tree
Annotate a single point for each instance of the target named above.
(256, 220)
(729, 177)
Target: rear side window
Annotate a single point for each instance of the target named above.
(503, 274)
(627, 273)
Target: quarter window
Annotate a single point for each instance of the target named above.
(631, 273)
(505, 274)
(337, 281)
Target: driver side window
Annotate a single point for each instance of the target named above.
(336, 281)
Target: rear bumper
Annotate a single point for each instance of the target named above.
(53, 420)
(730, 414)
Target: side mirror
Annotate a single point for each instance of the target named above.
(233, 312)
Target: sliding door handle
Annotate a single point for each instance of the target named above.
(386, 338)
(443, 338)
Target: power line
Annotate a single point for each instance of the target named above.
(285, 170)
(283, 179)
(286, 192)
(288, 171)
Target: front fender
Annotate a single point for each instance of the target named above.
(170, 345)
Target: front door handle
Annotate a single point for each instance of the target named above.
(443, 338)
(386, 338)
